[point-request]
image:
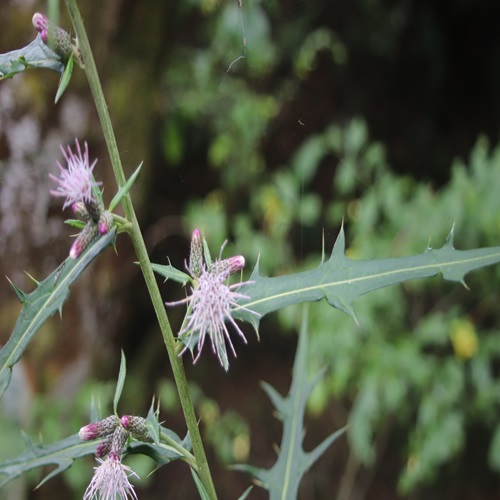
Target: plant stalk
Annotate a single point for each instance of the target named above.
(141, 251)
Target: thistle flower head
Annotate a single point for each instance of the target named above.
(75, 182)
(111, 477)
(211, 304)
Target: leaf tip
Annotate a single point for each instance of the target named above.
(339, 245)
(31, 278)
(21, 296)
(449, 239)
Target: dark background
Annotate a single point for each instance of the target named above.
(423, 75)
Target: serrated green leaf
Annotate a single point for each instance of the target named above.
(124, 189)
(65, 79)
(341, 280)
(120, 383)
(34, 55)
(44, 301)
(171, 273)
(283, 479)
(62, 454)
(21, 296)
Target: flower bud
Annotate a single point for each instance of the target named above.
(80, 211)
(196, 254)
(58, 39)
(228, 266)
(118, 440)
(104, 447)
(99, 429)
(105, 222)
(137, 426)
(94, 209)
(83, 240)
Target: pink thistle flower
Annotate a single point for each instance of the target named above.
(211, 303)
(75, 183)
(111, 478)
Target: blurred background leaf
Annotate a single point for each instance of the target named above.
(382, 114)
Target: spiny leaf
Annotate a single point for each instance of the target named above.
(341, 280)
(64, 452)
(34, 55)
(44, 301)
(172, 273)
(283, 479)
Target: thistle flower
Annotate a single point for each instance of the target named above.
(111, 477)
(75, 183)
(211, 303)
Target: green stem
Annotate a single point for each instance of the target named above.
(141, 251)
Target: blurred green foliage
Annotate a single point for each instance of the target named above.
(421, 362)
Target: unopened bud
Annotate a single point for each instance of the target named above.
(94, 209)
(137, 426)
(196, 254)
(99, 429)
(80, 210)
(83, 240)
(228, 266)
(105, 222)
(104, 447)
(119, 438)
(58, 39)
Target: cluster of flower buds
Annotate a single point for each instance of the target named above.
(212, 301)
(57, 39)
(111, 477)
(76, 184)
